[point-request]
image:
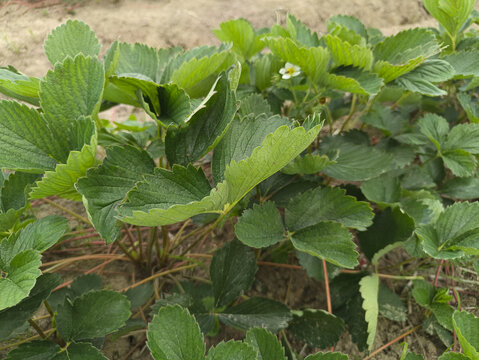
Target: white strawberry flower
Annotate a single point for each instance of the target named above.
(289, 70)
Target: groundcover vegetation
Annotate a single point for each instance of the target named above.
(324, 153)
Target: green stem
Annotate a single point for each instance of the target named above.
(68, 211)
(166, 244)
(126, 251)
(152, 235)
(37, 328)
(352, 111)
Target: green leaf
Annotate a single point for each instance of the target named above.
(277, 150)
(14, 317)
(232, 350)
(25, 139)
(346, 54)
(464, 63)
(329, 241)
(257, 312)
(470, 107)
(85, 283)
(398, 54)
(14, 189)
(16, 85)
(266, 344)
(84, 351)
(18, 276)
(104, 187)
(466, 325)
(197, 76)
(307, 164)
(455, 232)
(37, 350)
(70, 39)
(464, 137)
(435, 128)
(264, 69)
(327, 356)
(327, 204)
(61, 181)
(140, 295)
(261, 226)
(369, 288)
(174, 104)
(309, 326)
(242, 137)
(137, 59)
(460, 162)
(354, 316)
(394, 222)
(390, 304)
(173, 334)
(312, 61)
(451, 14)
(461, 188)
(203, 129)
(349, 22)
(385, 189)
(243, 36)
(355, 162)
(228, 282)
(314, 266)
(355, 81)
(94, 314)
(300, 32)
(453, 356)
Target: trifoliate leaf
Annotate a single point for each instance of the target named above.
(204, 128)
(242, 137)
(369, 288)
(277, 150)
(70, 39)
(104, 187)
(173, 334)
(455, 232)
(312, 61)
(228, 282)
(309, 326)
(257, 312)
(266, 344)
(466, 325)
(323, 204)
(394, 222)
(329, 241)
(260, 226)
(13, 317)
(241, 33)
(232, 350)
(94, 314)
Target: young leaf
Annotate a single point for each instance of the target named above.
(70, 39)
(14, 317)
(242, 137)
(266, 344)
(398, 225)
(257, 312)
(277, 150)
(327, 204)
(173, 334)
(309, 326)
(232, 350)
(455, 233)
(466, 325)
(94, 314)
(451, 14)
(329, 241)
(260, 226)
(228, 282)
(312, 61)
(205, 128)
(104, 187)
(348, 22)
(243, 36)
(369, 288)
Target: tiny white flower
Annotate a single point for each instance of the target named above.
(289, 71)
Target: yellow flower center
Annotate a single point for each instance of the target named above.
(290, 71)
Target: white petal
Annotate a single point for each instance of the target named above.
(296, 73)
(288, 65)
(283, 71)
(287, 76)
(296, 68)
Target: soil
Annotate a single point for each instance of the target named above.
(24, 26)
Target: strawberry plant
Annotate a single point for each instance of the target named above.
(350, 155)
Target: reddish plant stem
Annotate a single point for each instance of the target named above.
(374, 353)
(328, 294)
(439, 268)
(130, 237)
(286, 266)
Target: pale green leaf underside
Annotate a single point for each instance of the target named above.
(355, 81)
(307, 164)
(19, 86)
(466, 325)
(369, 288)
(70, 39)
(173, 334)
(243, 36)
(276, 151)
(451, 14)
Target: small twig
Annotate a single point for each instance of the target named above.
(374, 353)
(46, 333)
